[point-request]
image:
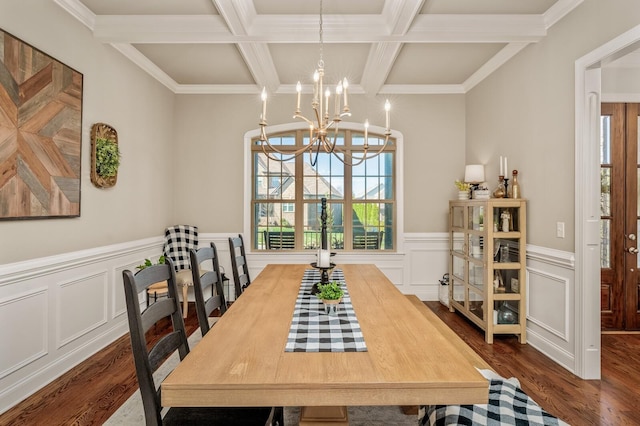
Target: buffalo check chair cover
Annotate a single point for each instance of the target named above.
(178, 241)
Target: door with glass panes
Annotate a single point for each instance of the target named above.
(620, 212)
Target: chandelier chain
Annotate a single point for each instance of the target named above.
(320, 61)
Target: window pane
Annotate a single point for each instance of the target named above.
(605, 139)
(313, 226)
(325, 178)
(377, 141)
(274, 179)
(605, 191)
(288, 139)
(605, 243)
(371, 221)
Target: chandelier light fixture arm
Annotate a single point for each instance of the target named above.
(319, 130)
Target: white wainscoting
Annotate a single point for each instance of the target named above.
(59, 310)
(550, 304)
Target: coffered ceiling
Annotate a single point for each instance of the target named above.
(381, 46)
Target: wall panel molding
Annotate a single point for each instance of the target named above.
(32, 305)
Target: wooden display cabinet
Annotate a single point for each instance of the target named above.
(488, 264)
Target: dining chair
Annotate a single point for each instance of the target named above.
(178, 240)
(239, 265)
(205, 281)
(148, 358)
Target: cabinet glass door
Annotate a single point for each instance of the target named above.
(458, 290)
(476, 304)
(457, 217)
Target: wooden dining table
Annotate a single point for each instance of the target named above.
(410, 358)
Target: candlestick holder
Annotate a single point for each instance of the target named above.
(506, 185)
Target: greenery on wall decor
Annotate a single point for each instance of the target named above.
(105, 155)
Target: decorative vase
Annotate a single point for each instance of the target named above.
(463, 195)
(331, 306)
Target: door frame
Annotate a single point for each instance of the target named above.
(588, 96)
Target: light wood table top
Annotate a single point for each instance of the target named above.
(411, 359)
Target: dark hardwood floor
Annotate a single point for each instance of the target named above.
(92, 391)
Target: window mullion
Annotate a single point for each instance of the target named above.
(299, 197)
(347, 196)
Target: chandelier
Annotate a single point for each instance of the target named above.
(323, 130)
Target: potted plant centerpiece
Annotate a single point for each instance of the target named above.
(331, 295)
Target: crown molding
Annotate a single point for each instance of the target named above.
(78, 11)
(558, 11)
(499, 59)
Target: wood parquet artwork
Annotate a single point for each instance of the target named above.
(40, 133)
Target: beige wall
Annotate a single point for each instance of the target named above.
(115, 92)
(209, 148)
(525, 110)
(616, 81)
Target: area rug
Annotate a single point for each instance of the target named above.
(131, 412)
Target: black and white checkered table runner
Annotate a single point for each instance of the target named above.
(314, 331)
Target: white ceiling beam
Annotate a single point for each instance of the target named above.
(379, 63)
(400, 14)
(475, 29)
(422, 89)
(238, 14)
(304, 28)
(260, 63)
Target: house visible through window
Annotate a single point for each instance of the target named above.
(286, 195)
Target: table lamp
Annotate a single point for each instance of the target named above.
(474, 175)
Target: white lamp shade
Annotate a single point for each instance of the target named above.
(474, 173)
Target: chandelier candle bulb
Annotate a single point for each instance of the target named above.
(366, 133)
(338, 93)
(299, 90)
(345, 85)
(387, 108)
(264, 104)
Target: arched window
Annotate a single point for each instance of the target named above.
(286, 195)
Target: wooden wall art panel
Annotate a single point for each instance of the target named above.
(40, 133)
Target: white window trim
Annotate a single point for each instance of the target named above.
(399, 176)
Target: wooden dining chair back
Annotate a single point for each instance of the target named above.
(239, 265)
(148, 358)
(207, 284)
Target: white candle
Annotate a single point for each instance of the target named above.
(366, 133)
(264, 104)
(506, 169)
(387, 108)
(345, 85)
(299, 90)
(338, 93)
(501, 170)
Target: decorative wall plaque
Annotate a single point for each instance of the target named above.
(40, 133)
